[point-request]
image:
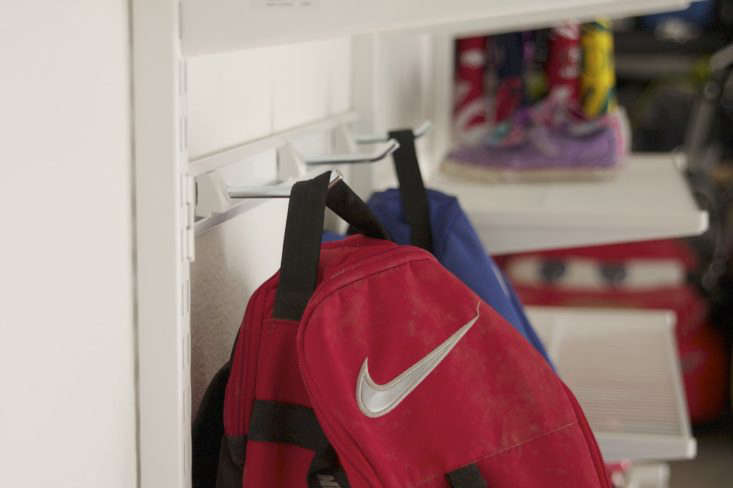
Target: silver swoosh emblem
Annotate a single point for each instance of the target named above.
(376, 400)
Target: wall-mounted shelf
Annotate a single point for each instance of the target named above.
(224, 25)
(648, 199)
(624, 369)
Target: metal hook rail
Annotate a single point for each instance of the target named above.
(278, 190)
(241, 199)
(419, 132)
(355, 158)
(218, 202)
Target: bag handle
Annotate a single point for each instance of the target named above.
(302, 243)
(413, 195)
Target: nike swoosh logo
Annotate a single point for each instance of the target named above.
(375, 400)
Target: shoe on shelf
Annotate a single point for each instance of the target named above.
(529, 151)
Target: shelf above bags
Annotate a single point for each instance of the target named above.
(624, 369)
(225, 25)
(648, 199)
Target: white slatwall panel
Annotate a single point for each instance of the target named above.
(300, 84)
(230, 99)
(405, 89)
(339, 60)
(239, 96)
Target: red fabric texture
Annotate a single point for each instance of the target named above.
(563, 60)
(492, 400)
(662, 249)
(470, 107)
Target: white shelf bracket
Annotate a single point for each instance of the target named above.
(342, 141)
(212, 197)
(290, 164)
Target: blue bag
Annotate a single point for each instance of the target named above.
(436, 222)
(457, 246)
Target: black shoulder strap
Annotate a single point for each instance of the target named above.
(301, 247)
(297, 425)
(208, 430)
(302, 244)
(413, 195)
(347, 205)
(466, 477)
(230, 470)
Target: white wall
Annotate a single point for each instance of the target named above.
(238, 96)
(67, 407)
(405, 94)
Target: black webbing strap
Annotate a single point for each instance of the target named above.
(466, 477)
(413, 196)
(301, 247)
(297, 425)
(208, 430)
(325, 470)
(231, 462)
(287, 423)
(302, 244)
(347, 205)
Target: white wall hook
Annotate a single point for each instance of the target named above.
(418, 132)
(280, 190)
(342, 140)
(212, 196)
(290, 164)
(353, 158)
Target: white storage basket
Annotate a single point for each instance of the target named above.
(624, 369)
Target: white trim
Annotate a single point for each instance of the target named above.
(204, 225)
(640, 447)
(229, 25)
(162, 271)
